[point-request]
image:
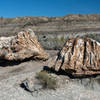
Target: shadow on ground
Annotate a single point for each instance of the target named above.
(61, 72)
(5, 63)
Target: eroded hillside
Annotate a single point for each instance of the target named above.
(53, 31)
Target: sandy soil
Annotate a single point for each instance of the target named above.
(11, 77)
(8, 69)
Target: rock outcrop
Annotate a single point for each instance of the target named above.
(24, 45)
(78, 57)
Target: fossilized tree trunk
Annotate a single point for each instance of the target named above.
(22, 46)
(78, 57)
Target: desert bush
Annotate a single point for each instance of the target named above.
(53, 43)
(63, 39)
(47, 81)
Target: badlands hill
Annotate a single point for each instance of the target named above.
(53, 31)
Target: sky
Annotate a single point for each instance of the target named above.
(49, 8)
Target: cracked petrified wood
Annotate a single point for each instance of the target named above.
(24, 45)
(79, 56)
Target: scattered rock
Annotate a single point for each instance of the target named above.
(28, 85)
(78, 57)
(24, 45)
(31, 85)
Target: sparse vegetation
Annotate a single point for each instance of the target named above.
(93, 36)
(47, 81)
(54, 43)
(62, 39)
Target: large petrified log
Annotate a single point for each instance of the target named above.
(22, 46)
(78, 57)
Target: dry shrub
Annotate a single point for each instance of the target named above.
(47, 81)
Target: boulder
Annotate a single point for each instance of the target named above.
(24, 45)
(78, 57)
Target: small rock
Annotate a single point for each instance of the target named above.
(31, 85)
(28, 85)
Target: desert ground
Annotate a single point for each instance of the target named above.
(11, 76)
(52, 34)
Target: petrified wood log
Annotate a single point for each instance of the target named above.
(78, 57)
(24, 45)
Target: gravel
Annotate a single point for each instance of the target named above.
(10, 90)
(12, 77)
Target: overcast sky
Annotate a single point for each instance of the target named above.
(51, 8)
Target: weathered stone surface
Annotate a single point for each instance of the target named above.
(79, 56)
(28, 84)
(31, 85)
(22, 46)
